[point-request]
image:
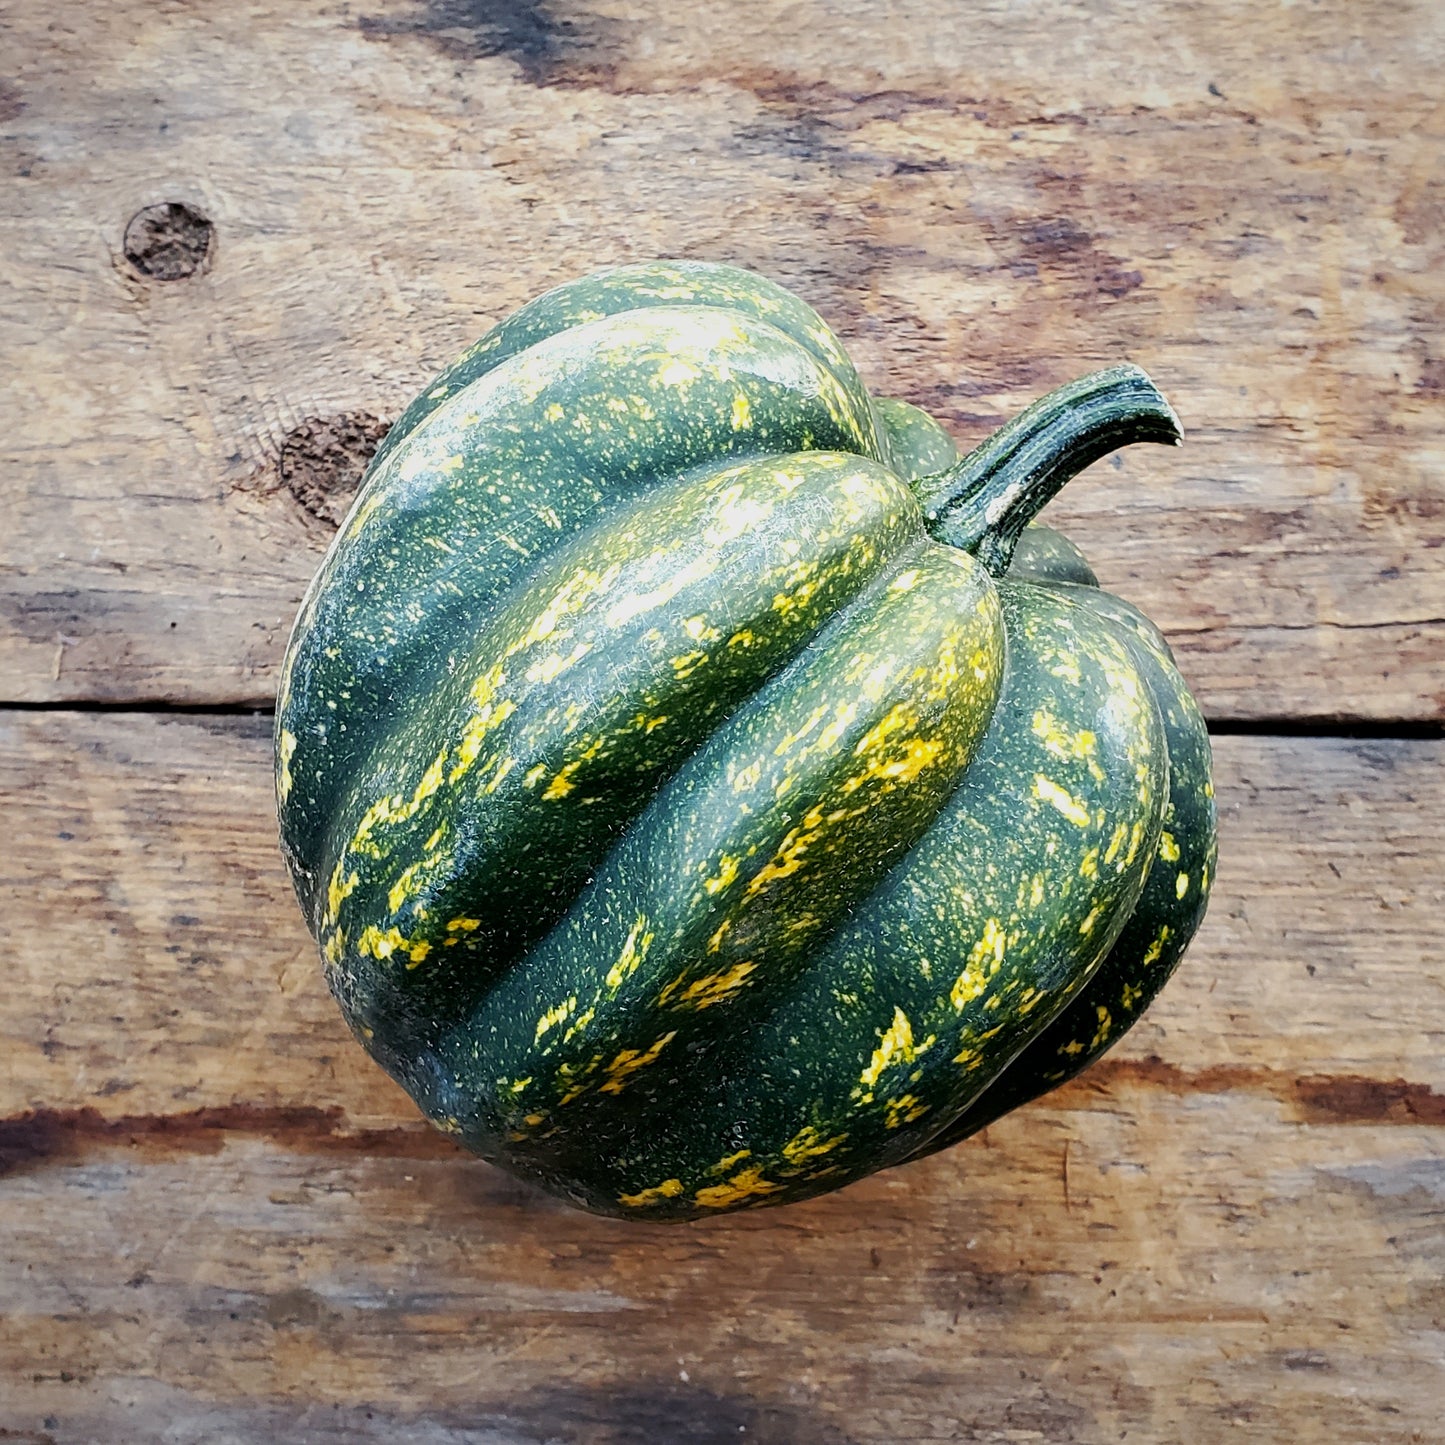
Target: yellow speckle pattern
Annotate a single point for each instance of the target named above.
(561, 785)
(747, 777)
(285, 751)
(800, 588)
(381, 944)
(810, 1143)
(792, 738)
(555, 1016)
(579, 1024)
(486, 720)
(725, 874)
(746, 1184)
(668, 1189)
(1066, 668)
(904, 1110)
(1106, 1025)
(985, 959)
(790, 854)
(1067, 743)
(711, 989)
(634, 950)
(401, 889)
(883, 761)
(687, 663)
(1048, 791)
(895, 1047)
(628, 1062)
(340, 888)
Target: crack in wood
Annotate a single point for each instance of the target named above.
(43, 1136)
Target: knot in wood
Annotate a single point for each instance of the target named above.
(169, 241)
(322, 461)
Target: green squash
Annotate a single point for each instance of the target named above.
(705, 787)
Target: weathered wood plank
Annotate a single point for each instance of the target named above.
(162, 965)
(226, 1224)
(1161, 1268)
(983, 200)
(223, 1222)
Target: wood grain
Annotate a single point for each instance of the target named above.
(236, 238)
(1132, 1271)
(984, 200)
(228, 1224)
(164, 966)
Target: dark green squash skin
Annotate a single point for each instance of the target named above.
(604, 669)
(629, 288)
(1176, 892)
(682, 826)
(1168, 913)
(591, 413)
(989, 924)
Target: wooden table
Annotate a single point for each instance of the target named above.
(222, 1223)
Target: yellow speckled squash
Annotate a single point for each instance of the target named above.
(707, 788)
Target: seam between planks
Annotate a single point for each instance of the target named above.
(1302, 726)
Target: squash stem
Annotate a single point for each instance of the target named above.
(983, 502)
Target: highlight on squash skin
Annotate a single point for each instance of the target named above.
(707, 787)
(865, 734)
(593, 681)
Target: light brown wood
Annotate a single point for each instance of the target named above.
(224, 1219)
(248, 1291)
(222, 1222)
(983, 200)
(163, 966)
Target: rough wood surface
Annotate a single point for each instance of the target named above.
(984, 199)
(235, 238)
(225, 1222)
(164, 967)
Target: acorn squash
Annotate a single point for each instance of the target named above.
(705, 787)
